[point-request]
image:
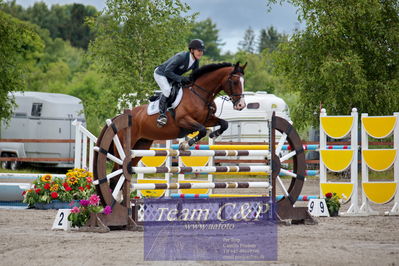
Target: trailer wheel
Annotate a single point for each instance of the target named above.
(5, 164)
(14, 165)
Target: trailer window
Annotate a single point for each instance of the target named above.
(253, 106)
(37, 109)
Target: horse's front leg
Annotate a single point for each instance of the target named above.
(216, 121)
(192, 126)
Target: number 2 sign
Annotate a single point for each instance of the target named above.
(61, 220)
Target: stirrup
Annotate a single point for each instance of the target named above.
(162, 120)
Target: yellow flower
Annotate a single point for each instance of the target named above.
(72, 180)
(54, 187)
(46, 178)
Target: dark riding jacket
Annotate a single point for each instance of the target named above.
(175, 66)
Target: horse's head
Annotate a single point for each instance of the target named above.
(234, 86)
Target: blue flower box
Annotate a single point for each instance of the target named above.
(56, 204)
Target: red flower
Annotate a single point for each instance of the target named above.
(54, 195)
(88, 186)
(65, 185)
(329, 195)
(23, 192)
(81, 188)
(47, 186)
(37, 190)
(68, 188)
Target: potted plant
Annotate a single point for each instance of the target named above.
(80, 215)
(333, 203)
(50, 192)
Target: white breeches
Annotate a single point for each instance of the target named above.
(163, 83)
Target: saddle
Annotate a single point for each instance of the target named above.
(172, 97)
(173, 101)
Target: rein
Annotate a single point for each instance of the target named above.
(208, 104)
(213, 94)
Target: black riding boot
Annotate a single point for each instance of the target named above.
(162, 119)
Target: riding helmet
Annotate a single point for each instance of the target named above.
(197, 44)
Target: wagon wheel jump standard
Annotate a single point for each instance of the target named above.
(117, 195)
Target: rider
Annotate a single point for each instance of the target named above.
(171, 71)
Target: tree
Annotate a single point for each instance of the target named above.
(62, 21)
(13, 9)
(77, 31)
(269, 39)
(248, 43)
(132, 38)
(348, 56)
(206, 30)
(20, 46)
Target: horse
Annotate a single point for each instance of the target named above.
(195, 112)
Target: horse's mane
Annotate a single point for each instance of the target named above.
(206, 69)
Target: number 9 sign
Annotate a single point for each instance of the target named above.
(318, 207)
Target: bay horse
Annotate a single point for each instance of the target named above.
(196, 110)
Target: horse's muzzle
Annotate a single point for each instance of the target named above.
(240, 105)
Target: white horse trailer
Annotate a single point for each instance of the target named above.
(41, 116)
(251, 124)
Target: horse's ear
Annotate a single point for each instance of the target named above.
(244, 66)
(236, 66)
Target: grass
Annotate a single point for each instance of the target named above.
(373, 175)
(29, 169)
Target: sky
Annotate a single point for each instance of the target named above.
(232, 17)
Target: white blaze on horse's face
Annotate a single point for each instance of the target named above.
(241, 103)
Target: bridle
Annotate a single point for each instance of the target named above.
(213, 94)
(210, 96)
(231, 83)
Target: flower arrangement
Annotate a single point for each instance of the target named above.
(78, 184)
(333, 203)
(80, 215)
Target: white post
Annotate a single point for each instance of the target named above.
(364, 208)
(323, 144)
(395, 208)
(78, 144)
(211, 162)
(354, 208)
(91, 156)
(180, 177)
(169, 164)
(84, 152)
(139, 176)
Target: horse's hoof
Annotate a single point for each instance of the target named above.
(184, 146)
(214, 134)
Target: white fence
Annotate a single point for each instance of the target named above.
(83, 138)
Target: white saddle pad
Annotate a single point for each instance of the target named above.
(153, 107)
